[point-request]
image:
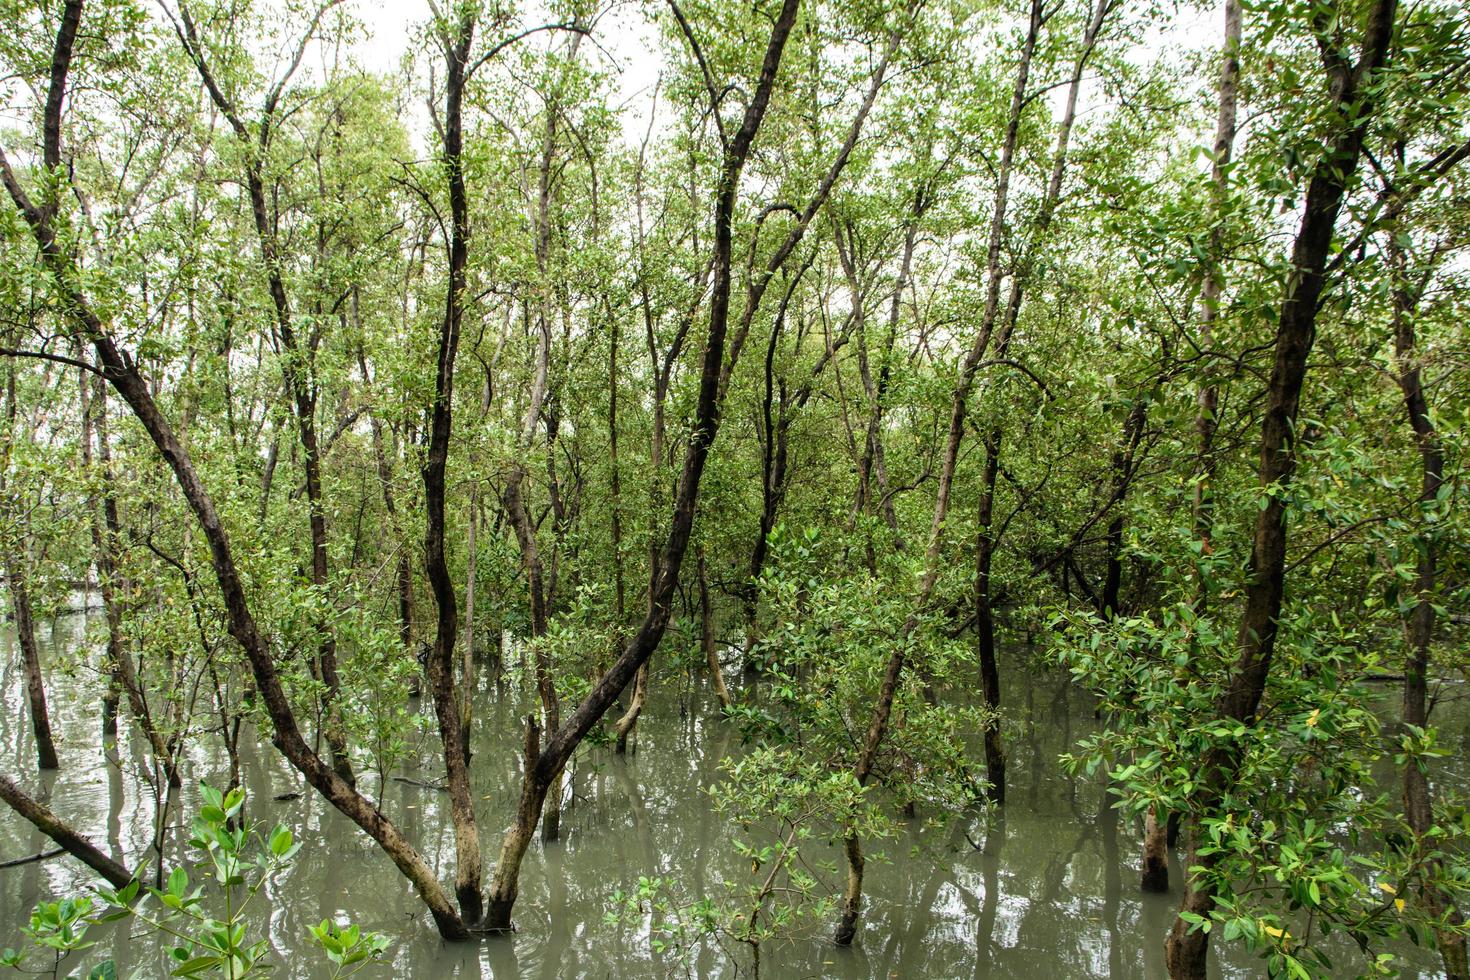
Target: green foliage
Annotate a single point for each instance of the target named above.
(204, 920)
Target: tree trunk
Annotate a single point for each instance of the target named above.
(106, 532)
(468, 862)
(404, 564)
(1419, 627)
(1154, 876)
(1186, 949)
(707, 638)
(852, 894)
(112, 692)
(560, 745)
(625, 725)
(467, 656)
(995, 757)
(1123, 460)
(25, 633)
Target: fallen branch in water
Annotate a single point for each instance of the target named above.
(72, 842)
(420, 782)
(17, 862)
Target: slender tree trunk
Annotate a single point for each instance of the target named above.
(872, 465)
(615, 486)
(624, 727)
(525, 532)
(468, 862)
(995, 757)
(707, 637)
(546, 766)
(404, 576)
(1186, 950)
(1419, 627)
(297, 364)
(514, 495)
(467, 656)
(893, 673)
(112, 692)
(1155, 873)
(25, 633)
(122, 373)
(1123, 461)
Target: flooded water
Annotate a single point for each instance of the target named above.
(1046, 889)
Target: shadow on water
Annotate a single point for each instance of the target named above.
(1045, 889)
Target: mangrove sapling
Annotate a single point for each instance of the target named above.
(204, 925)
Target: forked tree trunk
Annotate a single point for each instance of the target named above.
(456, 42)
(546, 766)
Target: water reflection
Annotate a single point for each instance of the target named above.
(1046, 888)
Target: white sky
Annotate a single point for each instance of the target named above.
(627, 45)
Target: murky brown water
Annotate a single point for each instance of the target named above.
(1050, 893)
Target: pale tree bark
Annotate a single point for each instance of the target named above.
(1154, 876)
(852, 898)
